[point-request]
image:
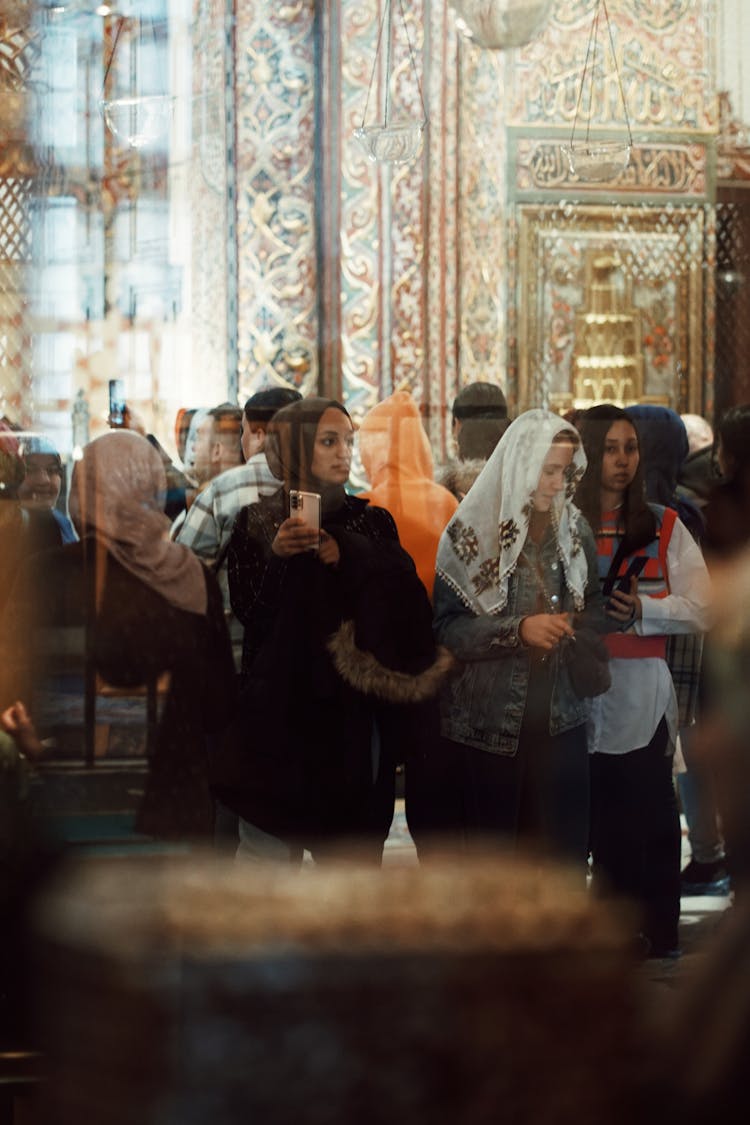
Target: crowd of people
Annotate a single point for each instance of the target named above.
(520, 631)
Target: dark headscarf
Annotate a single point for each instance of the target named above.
(664, 447)
(290, 441)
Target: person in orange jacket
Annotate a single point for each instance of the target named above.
(397, 459)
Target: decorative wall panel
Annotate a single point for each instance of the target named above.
(655, 258)
(275, 168)
(363, 235)
(211, 237)
(664, 53)
(383, 294)
(673, 170)
(482, 170)
(442, 257)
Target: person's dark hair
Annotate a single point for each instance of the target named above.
(479, 400)
(262, 405)
(478, 437)
(733, 432)
(636, 520)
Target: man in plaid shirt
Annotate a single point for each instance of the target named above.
(208, 524)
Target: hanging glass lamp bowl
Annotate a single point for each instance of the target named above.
(139, 121)
(397, 142)
(499, 24)
(597, 161)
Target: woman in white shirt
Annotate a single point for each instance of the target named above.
(656, 583)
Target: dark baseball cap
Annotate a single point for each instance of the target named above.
(262, 406)
(480, 400)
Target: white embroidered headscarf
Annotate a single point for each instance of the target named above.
(479, 548)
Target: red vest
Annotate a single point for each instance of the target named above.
(654, 583)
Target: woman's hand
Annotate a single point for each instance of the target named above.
(545, 630)
(294, 537)
(16, 722)
(328, 552)
(625, 608)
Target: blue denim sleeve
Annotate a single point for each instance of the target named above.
(468, 635)
(593, 615)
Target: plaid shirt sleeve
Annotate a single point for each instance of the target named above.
(199, 531)
(208, 524)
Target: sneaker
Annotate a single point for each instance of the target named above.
(705, 878)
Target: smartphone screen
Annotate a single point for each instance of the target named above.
(116, 402)
(305, 506)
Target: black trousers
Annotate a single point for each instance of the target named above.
(635, 835)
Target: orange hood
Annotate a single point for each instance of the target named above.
(393, 443)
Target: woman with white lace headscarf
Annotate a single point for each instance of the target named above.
(516, 577)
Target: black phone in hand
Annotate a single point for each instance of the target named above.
(622, 585)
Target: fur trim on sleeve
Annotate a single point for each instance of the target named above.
(364, 672)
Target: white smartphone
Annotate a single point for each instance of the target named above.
(306, 506)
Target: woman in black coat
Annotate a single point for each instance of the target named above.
(338, 639)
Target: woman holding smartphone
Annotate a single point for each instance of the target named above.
(313, 764)
(636, 840)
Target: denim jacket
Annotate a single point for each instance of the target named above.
(483, 706)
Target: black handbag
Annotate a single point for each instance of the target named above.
(586, 657)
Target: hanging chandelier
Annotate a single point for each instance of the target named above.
(137, 120)
(592, 160)
(395, 139)
(500, 24)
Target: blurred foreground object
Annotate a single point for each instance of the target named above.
(184, 991)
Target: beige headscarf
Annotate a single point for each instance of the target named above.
(479, 549)
(117, 495)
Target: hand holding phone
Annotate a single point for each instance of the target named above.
(622, 585)
(623, 602)
(301, 532)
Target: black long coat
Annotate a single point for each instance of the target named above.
(310, 761)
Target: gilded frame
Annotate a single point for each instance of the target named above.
(662, 251)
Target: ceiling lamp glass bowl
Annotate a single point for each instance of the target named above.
(398, 142)
(499, 24)
(597, 161)
(139, 121)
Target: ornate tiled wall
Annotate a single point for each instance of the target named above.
(277, 313)
(358, 277)
(213, 269)
(658, 215)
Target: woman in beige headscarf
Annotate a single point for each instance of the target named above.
(149, 608)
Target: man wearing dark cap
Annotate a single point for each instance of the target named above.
(479, 410)
(479, 420)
